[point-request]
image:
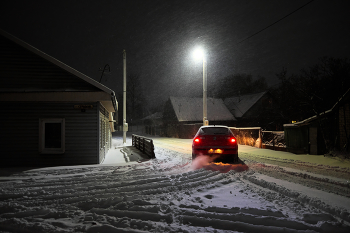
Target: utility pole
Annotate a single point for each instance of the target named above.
(125, 125)
(205, 116)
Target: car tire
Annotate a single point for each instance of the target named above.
(193, 156)
(236, 158)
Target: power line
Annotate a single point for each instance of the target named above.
(275, 22)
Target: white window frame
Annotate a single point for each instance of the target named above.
(42, 149)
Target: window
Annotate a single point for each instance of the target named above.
(52, 136)
(215, 130)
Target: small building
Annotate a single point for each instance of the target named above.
(322, 133)
(255, 110)
(153, 124)
(183, 116)
(50, 114)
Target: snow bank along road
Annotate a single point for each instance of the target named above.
(172, 194)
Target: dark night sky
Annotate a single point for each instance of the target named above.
(159, 37)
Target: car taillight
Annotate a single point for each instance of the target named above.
(198, 140)
(232, 140)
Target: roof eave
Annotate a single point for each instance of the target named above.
(56, 62)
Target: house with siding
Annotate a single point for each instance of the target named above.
(183, 116)
(50, 114)
(259, 109)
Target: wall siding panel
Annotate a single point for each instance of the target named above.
(20, 133)
(105, 133)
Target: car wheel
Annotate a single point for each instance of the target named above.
(236, 158)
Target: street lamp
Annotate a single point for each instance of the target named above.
(199, 54)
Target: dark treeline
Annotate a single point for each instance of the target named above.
(299, 96)
(314, 90)
(239, 84)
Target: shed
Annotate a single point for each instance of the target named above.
(322, 133)
(50, 114)
(153, 124)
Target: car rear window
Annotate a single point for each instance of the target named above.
(215, 130)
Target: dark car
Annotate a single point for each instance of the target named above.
(215, 141)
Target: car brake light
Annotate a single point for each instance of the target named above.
(233, 140)
(196, 140)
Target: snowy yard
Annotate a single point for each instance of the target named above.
(172, 194)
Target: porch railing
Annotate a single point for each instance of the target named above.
(144, 144)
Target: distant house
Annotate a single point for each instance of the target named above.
(255, 110)
(51, 114)
(184, 115)
(322, 133)
(153, 124)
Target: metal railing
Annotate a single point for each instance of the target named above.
(273, 139)
(144, 144)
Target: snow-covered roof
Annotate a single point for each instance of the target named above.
(154, 116)
(191, 109)
(315, 117)
(239, 105)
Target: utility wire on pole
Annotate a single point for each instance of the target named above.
(103, 71)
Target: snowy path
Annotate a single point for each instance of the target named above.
(166, 194)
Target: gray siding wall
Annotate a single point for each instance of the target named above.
(20, 133)
(105, 135)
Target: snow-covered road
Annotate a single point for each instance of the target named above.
(172, 194)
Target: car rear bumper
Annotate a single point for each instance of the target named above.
(204, 150)
(228, 154)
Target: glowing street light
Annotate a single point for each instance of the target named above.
(199, 54)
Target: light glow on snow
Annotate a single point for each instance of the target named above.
(172, 193)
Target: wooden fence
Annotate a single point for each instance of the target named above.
(143, 144)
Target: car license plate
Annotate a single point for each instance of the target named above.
(216, 151)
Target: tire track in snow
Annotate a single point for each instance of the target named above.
(338, 212)
(328, 184)
(156, 197)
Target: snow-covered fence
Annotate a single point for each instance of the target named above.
(255, 136)
(143, 144)
(248, 136)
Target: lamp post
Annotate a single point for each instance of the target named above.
(125, 125)
(199, 54)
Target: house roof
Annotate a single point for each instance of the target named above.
(239, 105)
(191, 109)
(94, 85)
(154, 116)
